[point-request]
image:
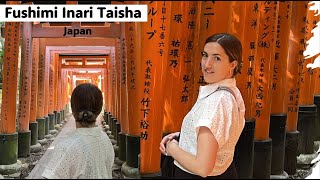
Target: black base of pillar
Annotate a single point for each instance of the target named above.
(306, 123)
(122, 146)
(46, 128)
(118, 130)
(8, 148)
(105, 116)
(133, 150)
(24, 143)
(33, 126)
(55, 117)
(262, 159)
(114, 127)
(51, 121)
(151, 176)
(41, 128)
(62, 115)
(277, 133)
(317, 121)
(243, 156)
(290, 159)
(58, 118)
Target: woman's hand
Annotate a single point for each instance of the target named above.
(169, 145)
(165, 140)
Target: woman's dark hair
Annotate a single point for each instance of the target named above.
(231, 45)
(86, 103)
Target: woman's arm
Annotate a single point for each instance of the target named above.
(202, 164)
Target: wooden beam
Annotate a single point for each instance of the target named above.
(80, 57)
(71, 67)
(58, 32)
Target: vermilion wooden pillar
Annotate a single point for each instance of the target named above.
(150, 86)
(55, 87)
(24, 135)
(262, 88)
(41, 93)
(279, 83)
(9, 145)
(51, 92)
(244, 21)
(295, 54)
(33, 125)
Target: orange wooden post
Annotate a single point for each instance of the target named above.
(58, 118)
(118, 86)
(179, 75)
(41, 92)
(123, 82)
(55, 87)
(278, 88)
(33, 125)
(51, 91)
(9, 145)
(295, 54)
(46, 91)
(24, 137)
(150, 88)
(244, 21)
(133, 55)
(262, 89)
(249, 47)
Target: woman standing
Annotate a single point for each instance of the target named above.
(210, 131)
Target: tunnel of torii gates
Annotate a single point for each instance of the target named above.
(150, 74)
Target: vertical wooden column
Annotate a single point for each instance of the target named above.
(178, 76)
(262, 88)
(133, 56)
(249, 53)
(150, 88)
(295, 48)
(25, 92)
(33, 125)
(41, 91)
(51, 91)
(46, 90)
(244, 24)
(59, 100)
(279, 101)
(9, 145)
(55, 87)
(118, 81)
(123, 83)
(113, 81)
(317, 82)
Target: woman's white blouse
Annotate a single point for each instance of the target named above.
(223, 115)
(87, 153)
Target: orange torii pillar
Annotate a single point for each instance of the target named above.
(124, 126)
(150, 86)
(113, 85)
(41, 94)
(46, 92)
(33, 124)
(8, 134)
(51, 94)
(247, 24)
(117, 127)
(262, 88)
(295, 54)
(56, 88)
(307, 110)
(178, 77)
(130, 167)
(279, 101)
(24, 134)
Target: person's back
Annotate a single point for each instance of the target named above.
(87, 153)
